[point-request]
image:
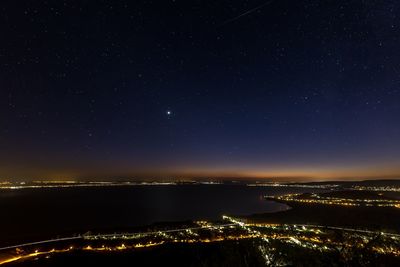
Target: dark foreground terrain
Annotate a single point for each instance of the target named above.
(227, 253)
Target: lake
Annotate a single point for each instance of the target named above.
(36, 214)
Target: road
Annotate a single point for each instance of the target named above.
(104, 236)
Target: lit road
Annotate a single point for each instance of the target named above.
(42, 242)
(156, 232)
(116, 236)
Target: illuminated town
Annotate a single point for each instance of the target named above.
(269, 237)
(326, 200)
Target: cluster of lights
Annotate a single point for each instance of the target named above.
(69, 184)
(317, 199)
(308, 186)
(317, 236)
(328, 186)
(72, 184)
(377, 188)
(307, 236)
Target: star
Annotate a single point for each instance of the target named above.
(169, 112)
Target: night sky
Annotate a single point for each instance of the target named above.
(281, 89)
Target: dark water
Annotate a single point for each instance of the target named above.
(35, 214)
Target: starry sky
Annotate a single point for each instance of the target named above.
(282, 89)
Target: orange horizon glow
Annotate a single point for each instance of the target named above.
(296, 175)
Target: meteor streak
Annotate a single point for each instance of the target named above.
(247, 12)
